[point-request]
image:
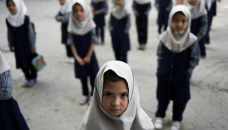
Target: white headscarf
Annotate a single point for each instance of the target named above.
(178, 42)
(120, 12)
(4, 66)
(142, 1)
(81, 27)
(133, 118)
(197, 10)
(66, 8)
(96, 1)
(17, 19)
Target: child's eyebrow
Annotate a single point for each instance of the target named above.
(106, 92)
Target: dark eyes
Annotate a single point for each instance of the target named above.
(177, 21)
(108, 94)
(124, 95)
(76, 11)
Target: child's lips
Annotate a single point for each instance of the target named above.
(115, 110)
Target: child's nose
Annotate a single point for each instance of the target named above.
(116, 102)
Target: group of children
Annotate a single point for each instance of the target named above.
(179, 51)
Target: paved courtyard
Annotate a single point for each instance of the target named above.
(53, 103)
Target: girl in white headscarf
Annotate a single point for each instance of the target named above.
(63, 17)
(82, 39)
(119, 25)
(11, 117)
(100, 9)
(178, 54)
(116, 104)
(21, 38)
(141, 10)
(199, 22)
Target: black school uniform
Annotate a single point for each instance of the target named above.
(163, 15)
(141, 12)
(22, 39)
(100, 19)
(173, 81)
(64, 26)
(199, 28)
(82, 44)
(10, 114)
(210, 14)
(120, 37)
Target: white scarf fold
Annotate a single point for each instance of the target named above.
(66, 8)
(120, 12)
(4, 66)
(133, 118)
(178, 42)
(142, 1)
(197, 10)
(208, 4)
(17, 19)
(81, 27)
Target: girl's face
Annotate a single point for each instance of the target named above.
(12, 7)
(193, 2)
(62, 2)
(115, 97)
(78, 12)
(179, 22)
(118, 2)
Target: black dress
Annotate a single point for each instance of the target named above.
(11, 117)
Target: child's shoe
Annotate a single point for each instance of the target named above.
(175, 125)
(26, 83)
(31, 82)
(140, 47)
(143, 47)
(90, 100)
(158, 123)
(71, 60)
(83, 100)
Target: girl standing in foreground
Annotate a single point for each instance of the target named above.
(178, 54)
(11, 117)
(21, 39)
(99, 8)
(116, 103)
(82, 38)
(63, 17)
(163, 7)
(141, 9)
(119, 25)
(199, 22)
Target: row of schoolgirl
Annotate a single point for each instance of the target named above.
(178, 54)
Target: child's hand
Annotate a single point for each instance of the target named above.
(168, 9)
(33, 50)
(61, 17)
(219, 0)
(189, 75)
(80, 61)
(87, 59)
(93, 11)
(96, 12)
(11, 49)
